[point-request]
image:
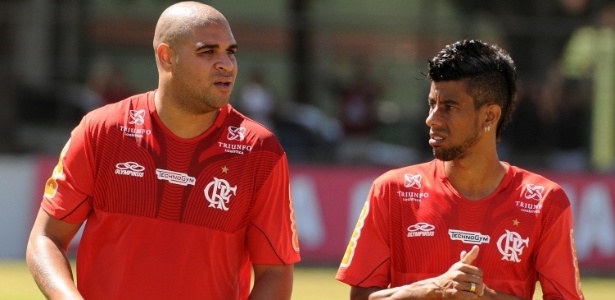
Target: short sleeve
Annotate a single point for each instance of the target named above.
(556, 260)
(69, 189)
(366, 262)
(272, 232)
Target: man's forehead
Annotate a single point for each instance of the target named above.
(449, 90)
(214, 34)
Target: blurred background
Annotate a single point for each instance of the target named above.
(341, 83)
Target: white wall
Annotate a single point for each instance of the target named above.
(16, 192)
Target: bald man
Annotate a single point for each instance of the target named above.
(180, 195)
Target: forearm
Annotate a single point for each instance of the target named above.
(51, 269)
(424, 289)
(273, 283)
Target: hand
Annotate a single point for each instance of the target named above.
(462, 280)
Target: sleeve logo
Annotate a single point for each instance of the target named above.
(355, 236)
(51, 186)
(293, 227)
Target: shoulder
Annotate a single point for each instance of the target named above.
(241, 127)
(134, 107)
(534, 186)
(413, 173)
(525, 177)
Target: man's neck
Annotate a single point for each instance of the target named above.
(182, 123)
(475, 178)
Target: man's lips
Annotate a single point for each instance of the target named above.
(224, 85)
(435, 139)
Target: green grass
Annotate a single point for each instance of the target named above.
(310, 284)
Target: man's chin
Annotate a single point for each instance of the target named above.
(442, 156)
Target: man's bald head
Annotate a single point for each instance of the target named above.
(180, 19)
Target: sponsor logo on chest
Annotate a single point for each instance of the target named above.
(218, 193)
(468, 237)
(234, 136)
(412, 181)
(175, 177)
(129, 168)
(421, 229)
(137, 118)
(511, 245)
(530, 201)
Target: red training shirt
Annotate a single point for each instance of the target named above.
(414, 226)
(172, 218)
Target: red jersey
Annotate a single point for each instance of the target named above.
(415, 224)
(172, 218)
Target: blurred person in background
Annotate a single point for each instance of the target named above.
(590, 56)
(358, 100)
(182, 196)
(464, 225)
(257, 101)
(109, 82)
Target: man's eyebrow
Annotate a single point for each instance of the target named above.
(444, 101)
(202, 46)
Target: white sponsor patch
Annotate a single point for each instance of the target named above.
(175, 177)
(468, 237)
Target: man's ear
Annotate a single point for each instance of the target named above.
(164, 55)
(493, 114)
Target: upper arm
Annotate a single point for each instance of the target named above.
(558, 269)
(272, 234)
(59, 232)
(272, 282)
(358, 293)
(281, 271)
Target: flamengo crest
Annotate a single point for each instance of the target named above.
(511, 245)
(218, 192)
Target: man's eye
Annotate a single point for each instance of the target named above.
(206, 51)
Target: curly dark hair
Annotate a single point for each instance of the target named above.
(488, 69)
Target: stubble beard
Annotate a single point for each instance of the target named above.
(197, 100)
(456, 151)
(193, 97)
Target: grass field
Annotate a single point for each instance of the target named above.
(310, 284)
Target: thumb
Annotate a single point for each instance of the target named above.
(469, 257)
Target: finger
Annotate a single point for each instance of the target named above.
(468, 258)
(482, 290)
(471, 288)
